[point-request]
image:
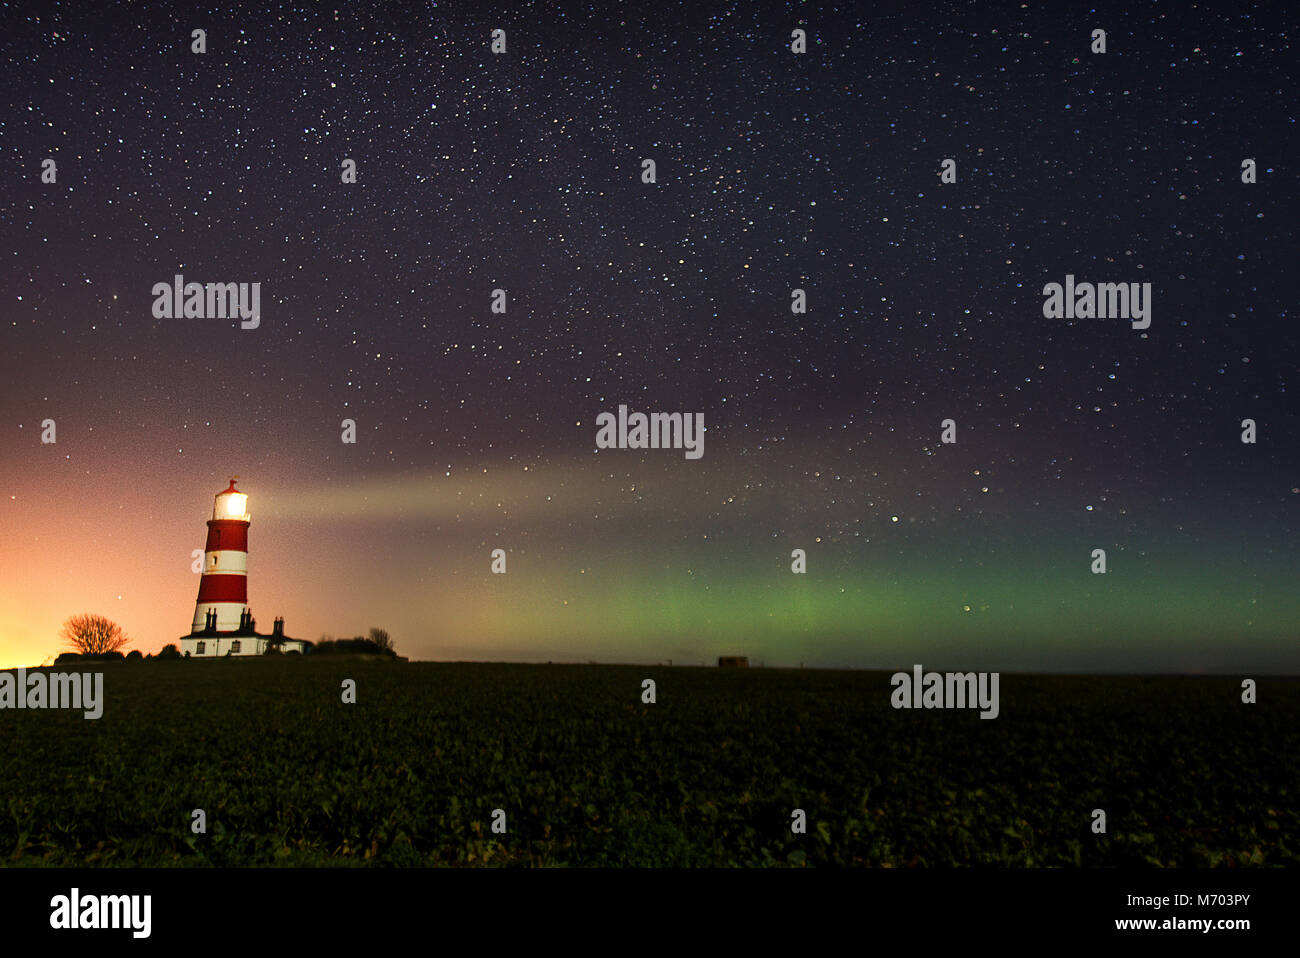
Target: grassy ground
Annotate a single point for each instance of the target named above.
(588, 775)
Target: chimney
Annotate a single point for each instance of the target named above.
(278, 627)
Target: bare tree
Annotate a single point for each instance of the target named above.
(381, 639)
(92, 634)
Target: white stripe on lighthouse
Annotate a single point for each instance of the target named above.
(226, 562)
(228, 614)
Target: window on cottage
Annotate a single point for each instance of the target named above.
(234, 646)
(199, 649)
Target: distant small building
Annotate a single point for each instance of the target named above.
(733, 661)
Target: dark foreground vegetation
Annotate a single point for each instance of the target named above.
(589, 775)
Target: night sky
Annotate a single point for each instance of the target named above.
(775, 171)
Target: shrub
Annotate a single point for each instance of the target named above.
(82, 657)
(357, 645)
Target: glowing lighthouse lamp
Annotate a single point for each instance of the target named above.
(236, 503)
(223, 623)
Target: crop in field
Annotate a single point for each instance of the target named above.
(589, 775)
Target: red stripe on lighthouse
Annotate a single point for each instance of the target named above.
(228, 534)
(223, 588)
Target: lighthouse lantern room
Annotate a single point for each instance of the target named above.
(223, 623)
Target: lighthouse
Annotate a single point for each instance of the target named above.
(223, 623)
(223, 590)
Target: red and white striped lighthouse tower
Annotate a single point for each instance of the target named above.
(223, 589)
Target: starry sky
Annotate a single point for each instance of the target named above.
(775, 171)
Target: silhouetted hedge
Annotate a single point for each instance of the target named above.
(359, 645)
(103, 657)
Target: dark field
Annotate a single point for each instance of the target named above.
(588, 775)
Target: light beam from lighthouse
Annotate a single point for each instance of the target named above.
(223, 588)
